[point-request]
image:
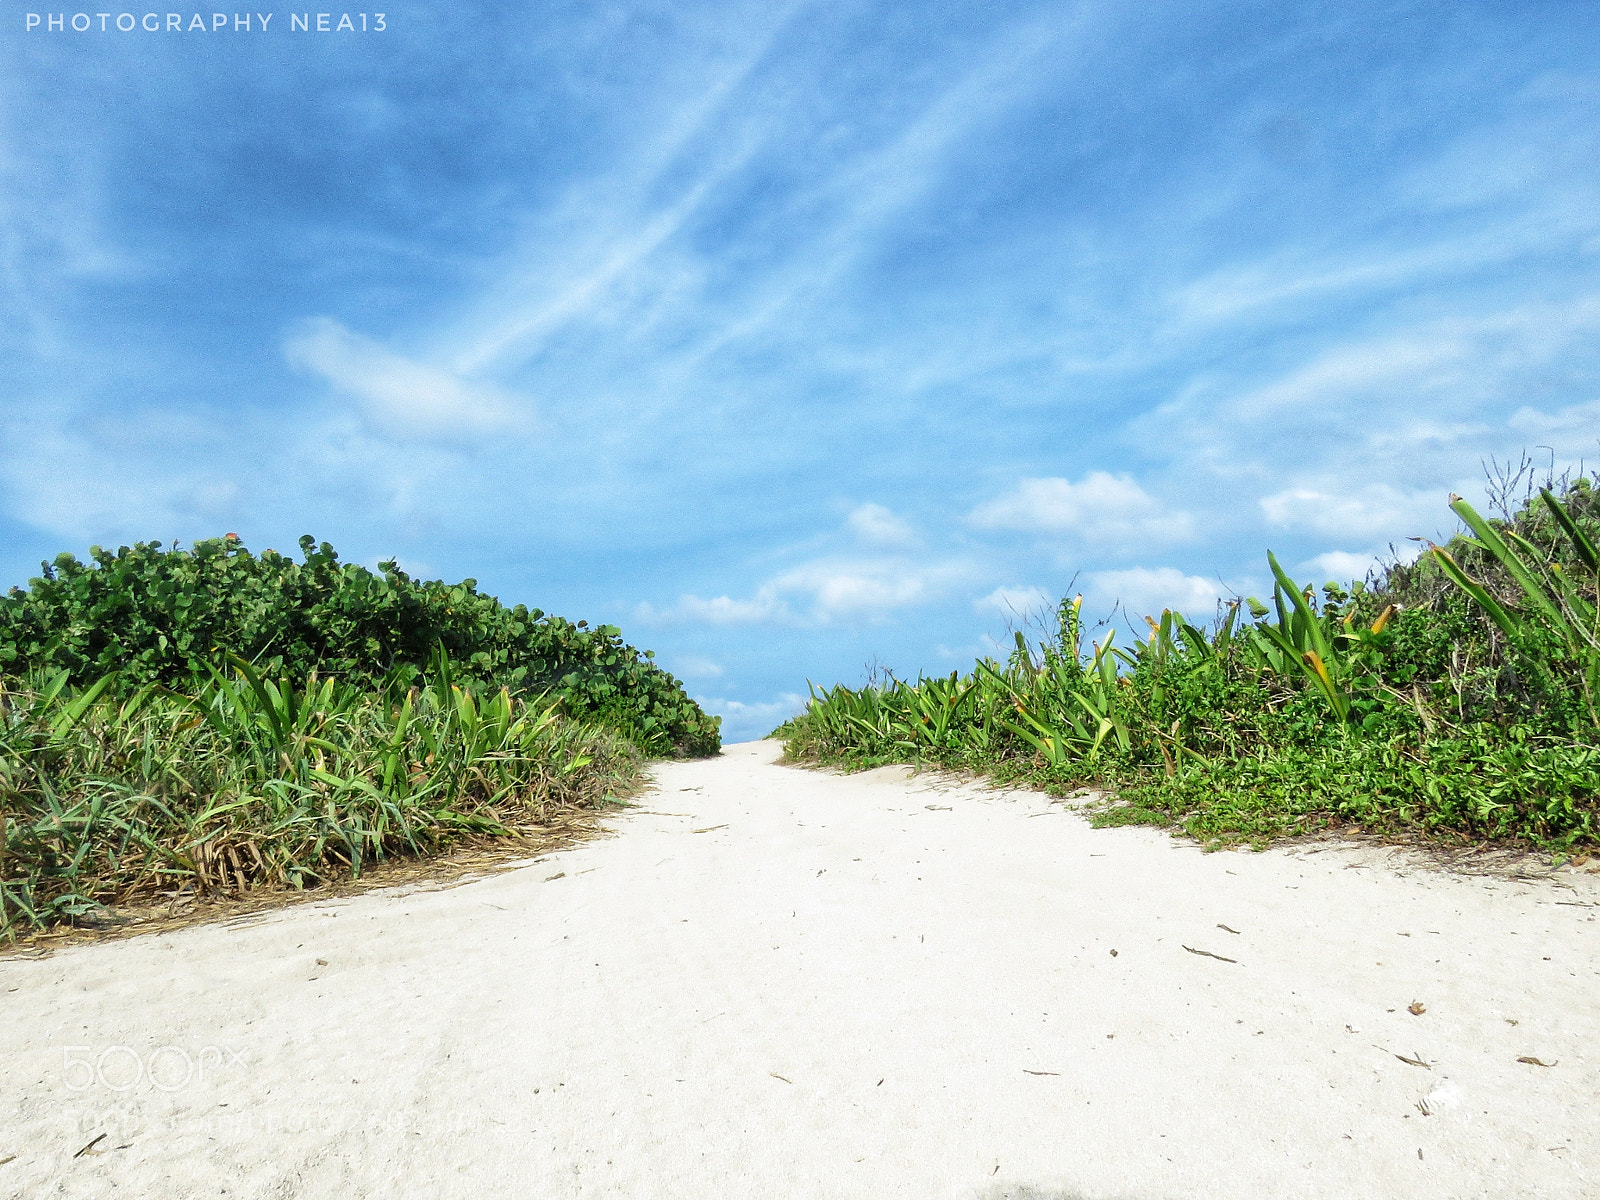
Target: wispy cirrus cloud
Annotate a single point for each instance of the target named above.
(625, 255)
(609, 251)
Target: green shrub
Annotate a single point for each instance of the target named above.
(1457, 695)
(252, 782)
(151, 614)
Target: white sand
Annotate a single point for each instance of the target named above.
(929, 969)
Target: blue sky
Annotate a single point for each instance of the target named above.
(792, 338)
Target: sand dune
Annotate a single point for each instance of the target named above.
(777, 983)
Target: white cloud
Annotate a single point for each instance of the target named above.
(400, 396)
(863, 587)
(1571, 432)
(1016, 601)
(837, 587)
(1102, 508)
(819, 592)
(1376, 510)
(691, 666)
(986, 646)
(742, 721)
(855, 589)
(1342, 566)
(832, 588)
(720, 610)
(1408, 404)
(1147, 590)
(1430, 433)
(175, 471)
(1463, 362)
(877, 526)
(84, 475)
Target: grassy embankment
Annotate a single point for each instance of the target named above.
(209, 722)
(1457, 697)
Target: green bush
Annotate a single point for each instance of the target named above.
(1458, 695)
(165, 615)
(253, 782)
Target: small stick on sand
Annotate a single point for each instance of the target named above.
(1418, 1061)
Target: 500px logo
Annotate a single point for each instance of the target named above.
(305, 22)
(122, 1068)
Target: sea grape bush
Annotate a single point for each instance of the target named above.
(167, 615)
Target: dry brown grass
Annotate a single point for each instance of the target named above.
(463, 864)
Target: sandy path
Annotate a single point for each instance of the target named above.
(778, 983)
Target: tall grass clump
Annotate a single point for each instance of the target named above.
(1457, 696)
(148, 614)
(252, 782)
